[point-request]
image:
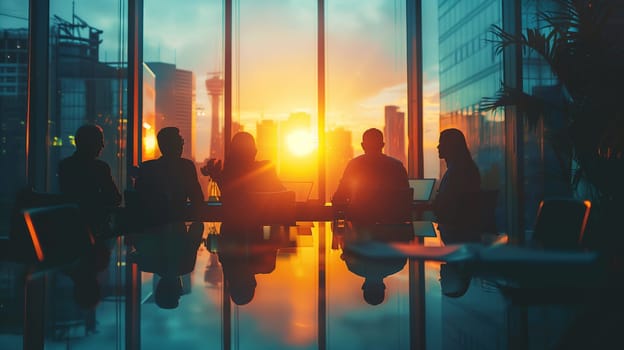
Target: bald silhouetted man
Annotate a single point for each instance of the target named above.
(372, 184)
(88, 180)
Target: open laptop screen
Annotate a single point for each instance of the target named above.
(423, 188)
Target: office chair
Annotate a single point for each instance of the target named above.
(561, 223)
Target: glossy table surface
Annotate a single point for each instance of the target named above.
(301, 287)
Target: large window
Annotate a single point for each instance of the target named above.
(13, 105)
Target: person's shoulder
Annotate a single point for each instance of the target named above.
(264, 164)
(148, 164)
(393, 161)
(101, 165)
(187, 162)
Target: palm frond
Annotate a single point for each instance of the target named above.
(532, 108)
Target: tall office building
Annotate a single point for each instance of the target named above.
(83, 90)
(13, 81)
(175, 102)
(394, 133)
(470, 69)
(214, 87)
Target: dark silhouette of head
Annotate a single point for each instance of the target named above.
(374, 291)
(89, 140)
(452, 145)
(170, 142)
(454, 281)
(242, 288)
(242, 149)
(372, 141)
(167, 292)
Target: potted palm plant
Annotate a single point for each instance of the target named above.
(582, 43)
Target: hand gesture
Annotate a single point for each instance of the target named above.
(213, 168)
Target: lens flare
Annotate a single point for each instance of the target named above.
(300, 143)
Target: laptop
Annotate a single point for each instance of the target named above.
(423, 188)
(302, 189)
(423, 229)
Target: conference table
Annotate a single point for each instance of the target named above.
(318, 283)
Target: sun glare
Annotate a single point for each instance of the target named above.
(300, 143)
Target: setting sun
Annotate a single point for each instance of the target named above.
(300, 143)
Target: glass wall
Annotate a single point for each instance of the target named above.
(13, 104)
(87, 85)
(366, 80)
(469, 71)
(13, 108)
(544, 174)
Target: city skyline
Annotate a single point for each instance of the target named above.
(357, 90)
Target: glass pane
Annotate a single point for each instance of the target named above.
(13, 107)
(366, 80)
(275, 87)
(431, 89)
(13, 104)
(544, 174)
(183, 88)
(88, 57)
(470, 70)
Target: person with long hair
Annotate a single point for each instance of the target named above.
(460, 180)
(241, 173)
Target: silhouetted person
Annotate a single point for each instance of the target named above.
(454, 279)
(374, 271)
(169, 251)
(243, 254)
(373, 185)
(241, 173)
(168, 184)
(88, 180)
(460, 179)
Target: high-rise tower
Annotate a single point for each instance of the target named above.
(214, 86)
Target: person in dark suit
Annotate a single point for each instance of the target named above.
(370, 183)
(461, 178)
(87, 180)
(168, 184)
(241, 173)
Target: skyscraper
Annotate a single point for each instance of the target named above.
(214, 86)
(394, 132)
(175, 102)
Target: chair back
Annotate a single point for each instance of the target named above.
(477, 211)
(389, 206)
(561, 222)
(262, 208)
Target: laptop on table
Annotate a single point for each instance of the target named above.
(423, 189)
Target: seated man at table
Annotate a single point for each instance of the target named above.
(374, 186)
(88, 180)
(166, 185)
